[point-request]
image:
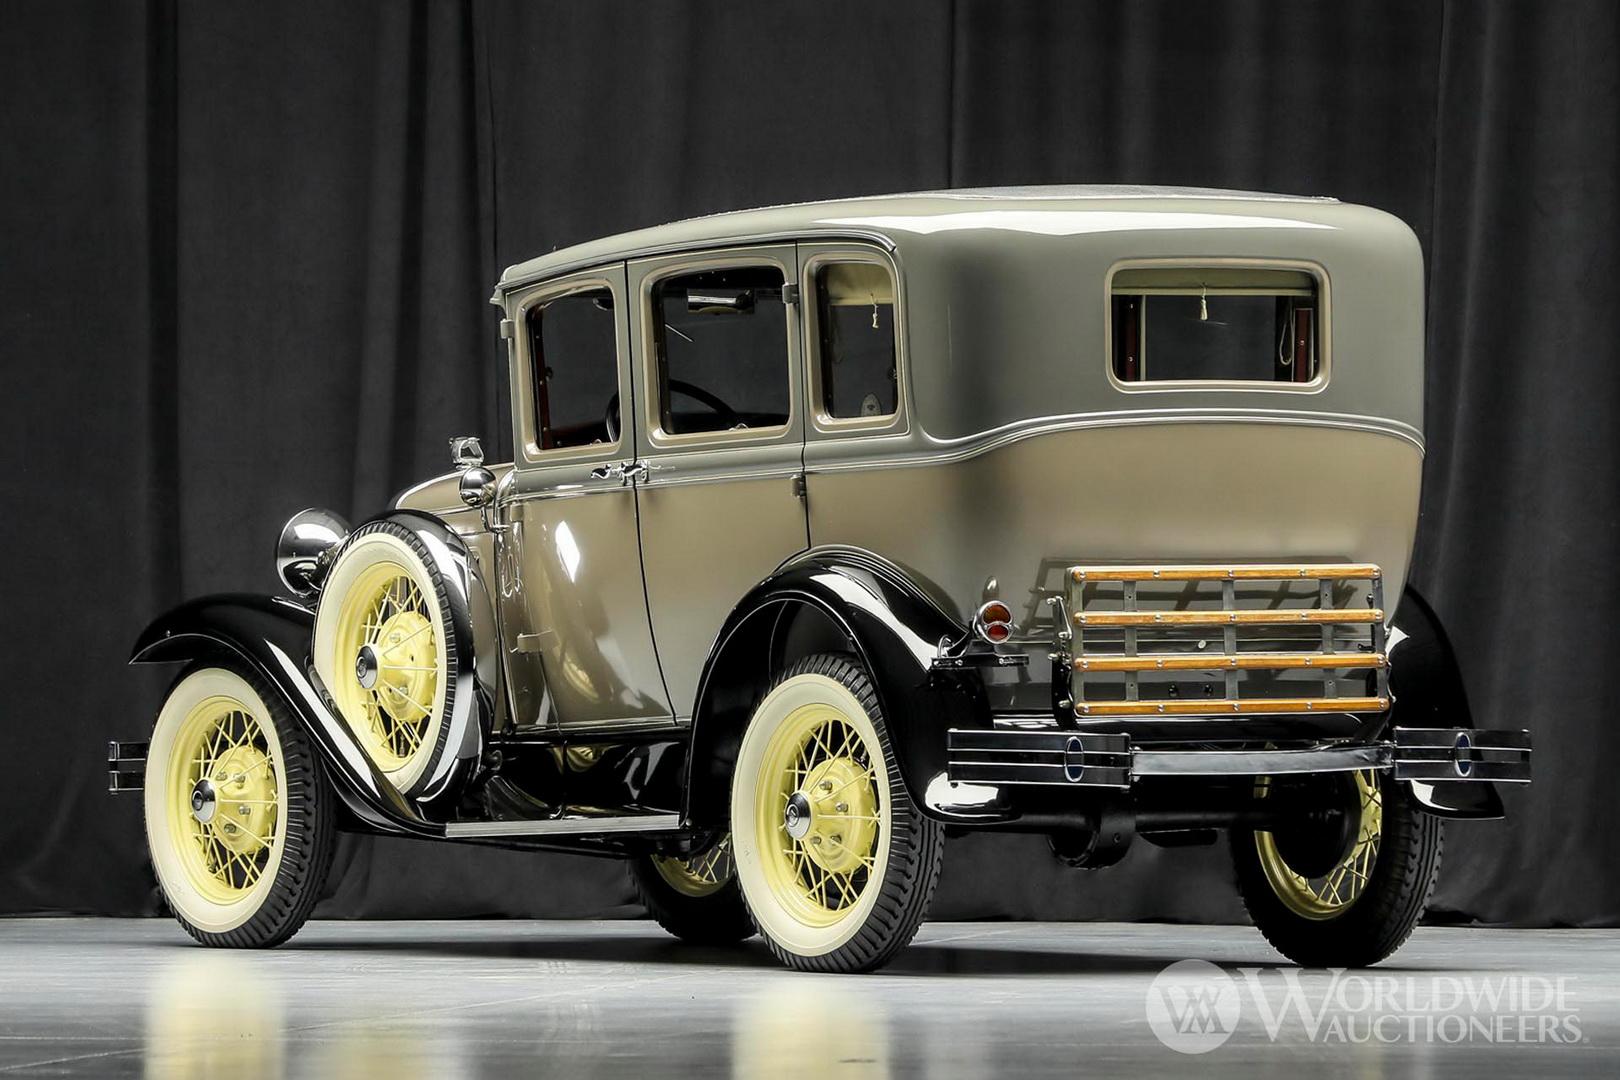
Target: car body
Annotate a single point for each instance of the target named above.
(1089, 511)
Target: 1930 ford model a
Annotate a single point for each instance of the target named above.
(833, 527)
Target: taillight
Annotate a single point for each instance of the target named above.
(994, 622)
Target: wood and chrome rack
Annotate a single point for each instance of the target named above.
(1221, 640)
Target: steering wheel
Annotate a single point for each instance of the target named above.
(728, 415)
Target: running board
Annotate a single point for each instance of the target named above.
(563, 826)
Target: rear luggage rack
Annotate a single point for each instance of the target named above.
(1287, 636)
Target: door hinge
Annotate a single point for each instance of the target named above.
(799, 489)
(790, 293)
(508, 329)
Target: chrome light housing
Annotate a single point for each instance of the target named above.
(302, 550)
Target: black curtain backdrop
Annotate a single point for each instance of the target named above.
(246, 252)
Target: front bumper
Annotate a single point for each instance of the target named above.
(1068, 758)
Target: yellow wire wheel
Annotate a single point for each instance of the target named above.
(381, 649)
(701, 875)
(238, 820)
(1327, 894)
(815, 823)
(1340, 890)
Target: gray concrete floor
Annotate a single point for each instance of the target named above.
(86, 997)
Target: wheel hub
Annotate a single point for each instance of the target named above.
(836, 810)
(242, 811)
(405, 658)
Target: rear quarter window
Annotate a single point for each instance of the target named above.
(1216, 325)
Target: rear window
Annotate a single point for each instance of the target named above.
(1215, 324)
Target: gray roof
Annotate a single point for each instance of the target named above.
(887, 215)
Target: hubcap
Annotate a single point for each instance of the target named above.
(204, 801)
(796, 818)
(366, 666)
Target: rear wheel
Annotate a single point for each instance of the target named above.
(836, 863)
(697, 898)
(239, 816)
(1347, 892)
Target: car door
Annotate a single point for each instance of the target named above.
(720, 432)
(573, 601)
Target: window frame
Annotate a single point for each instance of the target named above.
(812, 258)
(653, 272)
(525, 399)
(1324, 327)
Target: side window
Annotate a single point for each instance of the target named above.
(722, 350)
(573, 345)
(856, 344)
(1215, 324)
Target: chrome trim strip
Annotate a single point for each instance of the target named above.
(950, 451)
(565, 826)
(1260, 762)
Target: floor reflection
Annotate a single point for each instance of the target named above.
(811, 1029)
(212, 1014)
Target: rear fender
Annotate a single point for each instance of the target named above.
(874, 610)
(1427, 691)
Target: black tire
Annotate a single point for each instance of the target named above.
(915, 844)
(717, 917)
(308, 840)
(1380, 918)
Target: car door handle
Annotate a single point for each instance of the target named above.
(624, 471)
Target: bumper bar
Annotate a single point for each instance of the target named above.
(1083, 759)
(1440, 754)
(126, 766)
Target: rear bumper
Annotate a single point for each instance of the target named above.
(1067, 758)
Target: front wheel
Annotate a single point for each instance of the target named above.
(239, 816)
(1344, 891)
(836, 863)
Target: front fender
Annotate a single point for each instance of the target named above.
(271, 635)
(1427, 691)
(883, 616)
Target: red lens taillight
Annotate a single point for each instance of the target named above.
(993, 622)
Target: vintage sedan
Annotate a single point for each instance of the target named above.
(835, 529)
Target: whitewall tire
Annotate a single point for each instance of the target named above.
(239, 816)
(836, 864)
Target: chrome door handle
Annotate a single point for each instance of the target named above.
(624, 472)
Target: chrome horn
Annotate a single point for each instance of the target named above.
(304, 548)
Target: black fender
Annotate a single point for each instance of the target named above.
(271, 635)
(1427, 691)
(893, 623)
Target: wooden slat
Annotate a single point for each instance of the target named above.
(1269, 617)
(1240, 662)
(1227, 707)
(1267, 572)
